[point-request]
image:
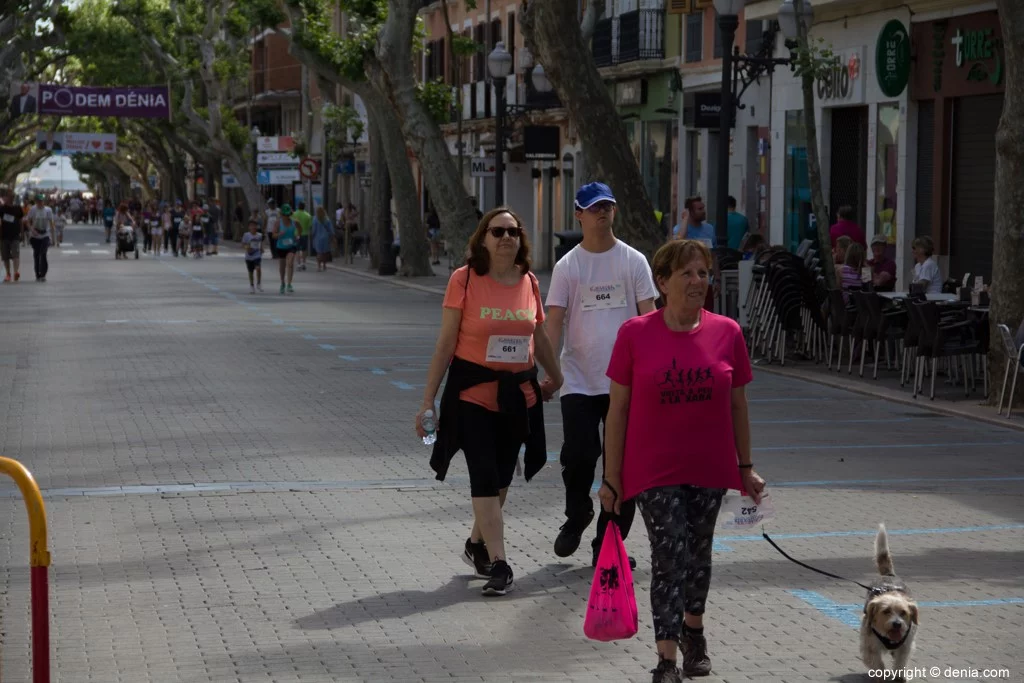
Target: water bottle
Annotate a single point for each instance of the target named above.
(427, 422)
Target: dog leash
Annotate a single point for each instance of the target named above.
(813, 569)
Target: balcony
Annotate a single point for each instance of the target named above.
(630, 37)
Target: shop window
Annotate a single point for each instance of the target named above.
(887, 155)
(797, 189)
(694, 37)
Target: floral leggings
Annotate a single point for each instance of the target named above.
(681, 526)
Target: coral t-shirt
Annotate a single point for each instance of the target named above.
(680, 408)
(497, 328)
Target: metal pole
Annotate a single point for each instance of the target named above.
(727, 25)
(499, 144)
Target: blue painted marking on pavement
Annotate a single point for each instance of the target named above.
(850, 613)
(828, 607)
(309, 337)
(350, 359)
(277, 321)
(804, 422)
(378, 371)
(403, 385)
(291, 329)
(328, 347)
(266, 315)
(879, 446)
(721, 542)
(907, 480)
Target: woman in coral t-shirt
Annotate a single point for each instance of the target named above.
(492, 328)
(677, 436)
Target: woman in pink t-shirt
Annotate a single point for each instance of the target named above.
(677, 436)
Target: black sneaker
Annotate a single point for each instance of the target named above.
(695, 654)
(570, 535)
(500, 581)
(475, 555)
(667, 672)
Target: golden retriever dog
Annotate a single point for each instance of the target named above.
(890, 614)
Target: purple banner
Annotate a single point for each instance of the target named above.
(133, 102)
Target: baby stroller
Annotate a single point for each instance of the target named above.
(126, 242)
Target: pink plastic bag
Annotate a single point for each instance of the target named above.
(611, 610)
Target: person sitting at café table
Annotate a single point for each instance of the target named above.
(926, 267)
(849, 274)
(883, 268)
(839, 250)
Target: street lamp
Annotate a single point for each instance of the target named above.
(499, 66)
(739, 72)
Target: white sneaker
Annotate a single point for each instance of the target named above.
(259, 289)
(252, 290)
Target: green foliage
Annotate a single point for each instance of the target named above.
(438, 97)
(463, 46)
(342, 126)
(235, 131)
(816, 58)
(314, 31)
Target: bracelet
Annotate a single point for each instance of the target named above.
(748, 466)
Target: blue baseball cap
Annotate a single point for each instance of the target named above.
(592, 193)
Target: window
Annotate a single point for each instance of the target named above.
(887, 154)
(717, 54)
(754, 37)
(511, 46)
(694, 37)
(480, 59)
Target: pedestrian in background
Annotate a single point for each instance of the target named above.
(40, 221)
(273, 218)
(678, 436)
(12, 229)
(492, 330)
(286, 236)
(252, 243)
(322, 232)
(304, 224)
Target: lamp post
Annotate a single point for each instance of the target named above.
(499, 65)
(739, 72)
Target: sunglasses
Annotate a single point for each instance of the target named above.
(498, 233)
(600, 207)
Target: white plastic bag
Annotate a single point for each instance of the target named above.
(741, 512)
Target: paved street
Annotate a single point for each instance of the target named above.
(235, 493)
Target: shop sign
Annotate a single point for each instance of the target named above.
(542, 143)
(482, 167)
(707, 109)
(631, 93)
(978, 51)
(892, 58)
(843, 84)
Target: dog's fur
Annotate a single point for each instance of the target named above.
(889, 610)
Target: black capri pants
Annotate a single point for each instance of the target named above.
(491, 447)
(680, 522)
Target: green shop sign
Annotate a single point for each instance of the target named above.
(892, 58)
(979, 50)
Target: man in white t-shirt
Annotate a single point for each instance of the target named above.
(600, 284)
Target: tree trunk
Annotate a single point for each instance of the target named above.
(814, 163)
(415, 254)
(555, 39)
(1007, 290)
(395, 81)
(381, 258)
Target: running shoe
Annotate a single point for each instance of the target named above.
(570, 535)
(17, 276)
(282, 289)
(695, 654)
(667, 672)
(7, 278)
(290, 290)
(259, 289)
(252, 290)
(500, 581)
(475, 555)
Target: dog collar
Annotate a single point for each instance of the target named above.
(890, 645)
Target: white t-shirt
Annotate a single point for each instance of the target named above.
(599, 292)
(929, 270)
(40, 218)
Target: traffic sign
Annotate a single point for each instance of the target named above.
(309, 167)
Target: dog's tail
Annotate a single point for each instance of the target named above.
(882, 556)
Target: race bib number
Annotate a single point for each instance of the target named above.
(603, 296)
(741, 512)
(8, 218)
(204, 220)
(508, 349)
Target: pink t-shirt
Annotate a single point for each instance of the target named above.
(680, 409)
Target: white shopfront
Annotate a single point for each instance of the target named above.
(865, 139)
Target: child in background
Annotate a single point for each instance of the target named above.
(252, 242)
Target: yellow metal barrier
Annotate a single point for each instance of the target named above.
(39, 561)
